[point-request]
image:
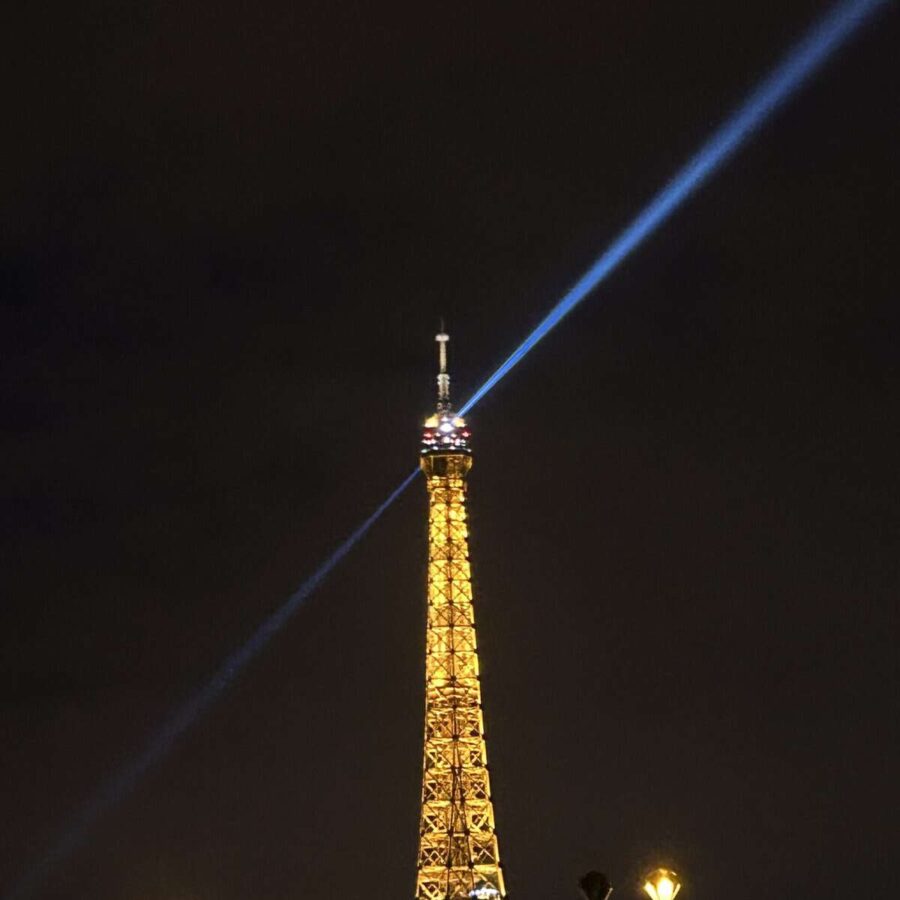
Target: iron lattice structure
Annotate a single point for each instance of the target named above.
(458, 856)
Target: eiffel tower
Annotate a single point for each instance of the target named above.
(458, 856)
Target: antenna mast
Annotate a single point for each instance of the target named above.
(443, 379)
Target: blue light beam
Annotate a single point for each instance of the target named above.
(816, 46)
(123, 781)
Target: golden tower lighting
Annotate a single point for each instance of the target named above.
(662, 884)
(458, 856)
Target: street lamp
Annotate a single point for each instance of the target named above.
(662, 884)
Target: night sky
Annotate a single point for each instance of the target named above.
(228, 233)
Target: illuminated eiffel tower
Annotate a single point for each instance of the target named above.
(458, 856)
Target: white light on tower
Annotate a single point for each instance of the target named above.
(484, 891)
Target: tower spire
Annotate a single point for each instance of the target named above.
(443, 379)
(445, 431)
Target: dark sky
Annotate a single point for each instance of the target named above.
(228, 232)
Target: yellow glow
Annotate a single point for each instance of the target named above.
(662, 884)
(458, 855)
(431, 422)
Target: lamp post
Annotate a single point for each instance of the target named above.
(662, 884)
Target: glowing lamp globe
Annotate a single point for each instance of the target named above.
(662, 884)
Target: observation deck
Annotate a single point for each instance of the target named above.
(445, 432)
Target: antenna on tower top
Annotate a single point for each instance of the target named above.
(445, 431)
(443, 379)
